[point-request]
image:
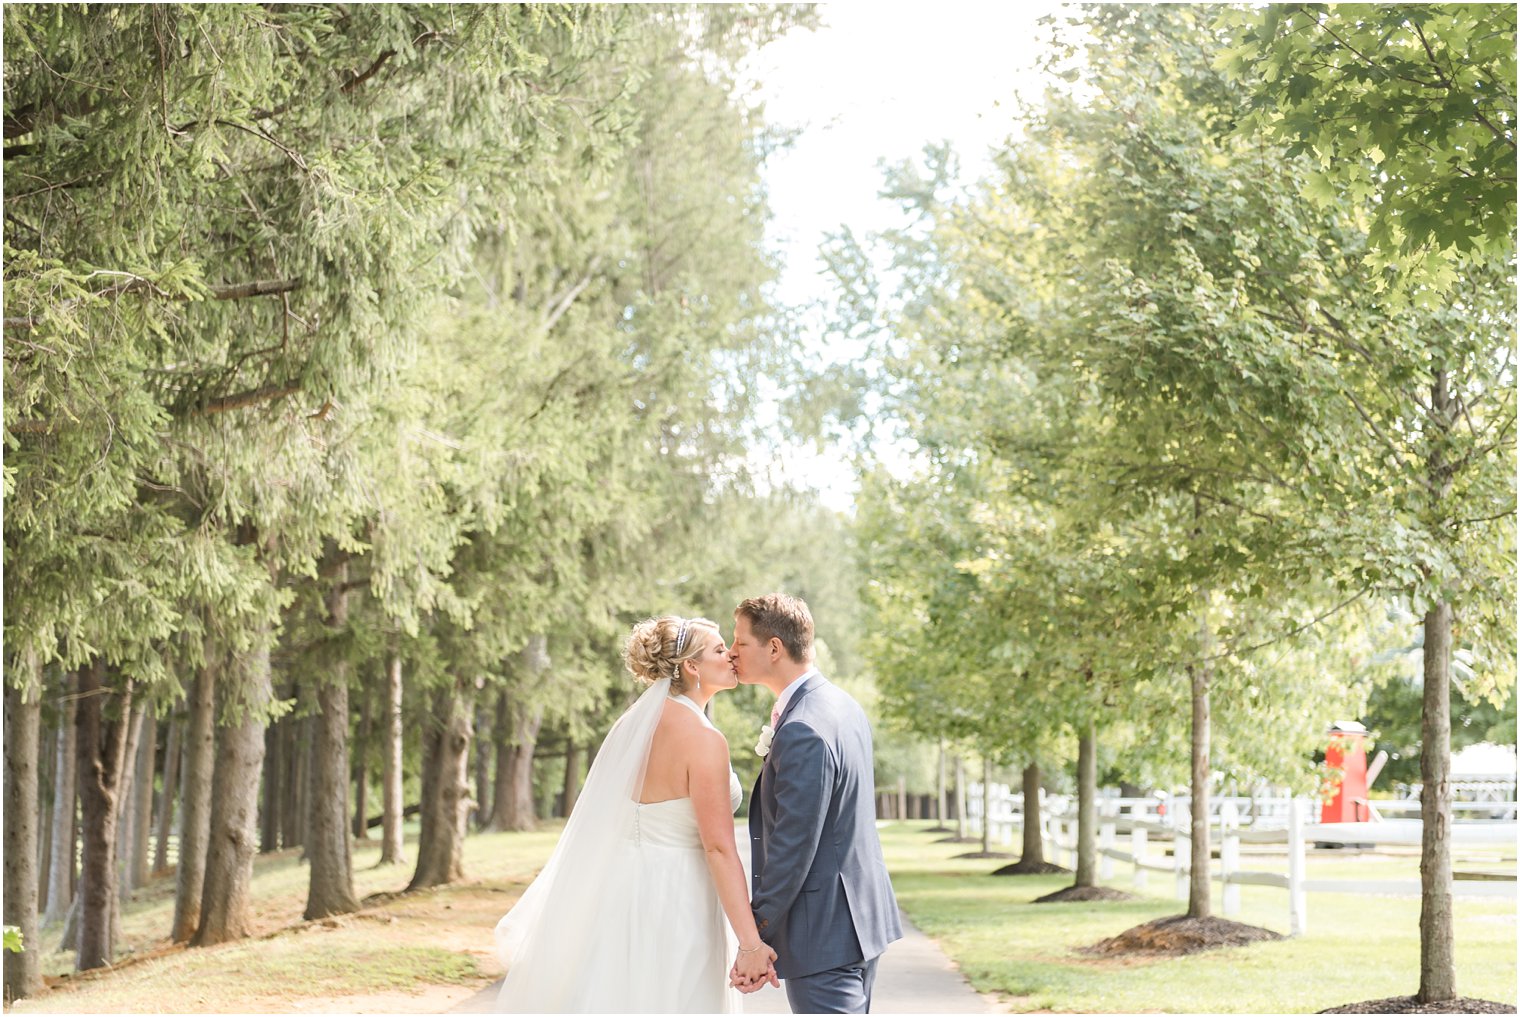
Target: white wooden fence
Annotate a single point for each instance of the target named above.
(1291, 822)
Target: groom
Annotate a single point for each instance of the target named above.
(821, 895)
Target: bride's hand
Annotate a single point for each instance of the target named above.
(754, 968)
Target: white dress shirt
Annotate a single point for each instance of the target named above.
(786, 694)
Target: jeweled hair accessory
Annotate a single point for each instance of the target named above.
(681, 636)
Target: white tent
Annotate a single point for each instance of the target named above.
(1484, 759)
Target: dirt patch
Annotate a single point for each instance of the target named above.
(370, 963)
(984, 854)
(1177, 935)
(1078, 894)
(1023, 868)
(958, 840)
(1408, 1004)
(431, 999)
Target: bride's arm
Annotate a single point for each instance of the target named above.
(709, 783)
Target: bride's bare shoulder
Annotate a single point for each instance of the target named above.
(678, 719)
(680, 724)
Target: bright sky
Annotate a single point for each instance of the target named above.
(876, 83)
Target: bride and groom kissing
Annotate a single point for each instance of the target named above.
(643, 907)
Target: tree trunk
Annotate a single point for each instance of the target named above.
(23, 729)
(272, 793)
(1199, 904)
(307, 779)
(527, 721)
(47, 776)
(65, 781)
(940, 812)
(195, 795)
(294, 771)
(960, 798)
(480, 754)
(1087, 807)
(519, 813)
(360, 778)
(172, 750)
(1034, 844)
(572, 776)
(501, 787)
(225, 905)
(142, 793)
(126, 806)
(391, 848)
(102, 762)
(70, 939)
(445, 795)
(124, 834)
(330, 889)
(290, 777)
(489, 761)
(987, 806)
(1438, 975)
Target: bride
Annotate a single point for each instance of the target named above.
(628, 914)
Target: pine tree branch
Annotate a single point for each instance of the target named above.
(237, 291)
(1358, 595)
(358, 79)
(261, 288)
(243, 400)
(563, 303)
(223, 404)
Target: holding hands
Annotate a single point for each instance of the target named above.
(754, 967)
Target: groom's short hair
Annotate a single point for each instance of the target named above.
(784, 617)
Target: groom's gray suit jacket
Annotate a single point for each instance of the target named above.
(820, 893)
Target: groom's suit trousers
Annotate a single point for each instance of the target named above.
(838, 990)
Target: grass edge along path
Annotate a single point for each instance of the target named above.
(1357, 947)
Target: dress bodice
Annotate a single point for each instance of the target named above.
(673, 823)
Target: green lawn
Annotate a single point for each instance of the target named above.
(1356, 947)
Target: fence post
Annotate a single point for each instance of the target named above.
(1182, 847)
(1298, 916)
(1137, 848)
(1229, 857)
(1106, 841)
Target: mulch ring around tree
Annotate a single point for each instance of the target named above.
(1408, 1004)
(1077, 894)
(1176, 935)
(1023, 868)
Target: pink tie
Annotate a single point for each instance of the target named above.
(775, 714)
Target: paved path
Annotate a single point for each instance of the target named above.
(914, 976)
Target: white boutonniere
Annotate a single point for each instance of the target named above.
(763, 746)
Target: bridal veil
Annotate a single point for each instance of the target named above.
(548, 941)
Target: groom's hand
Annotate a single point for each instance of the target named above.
(757, 985)
(753, 969)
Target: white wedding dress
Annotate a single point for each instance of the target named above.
(624, 917)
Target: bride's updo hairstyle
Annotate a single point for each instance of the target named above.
(652, 652)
